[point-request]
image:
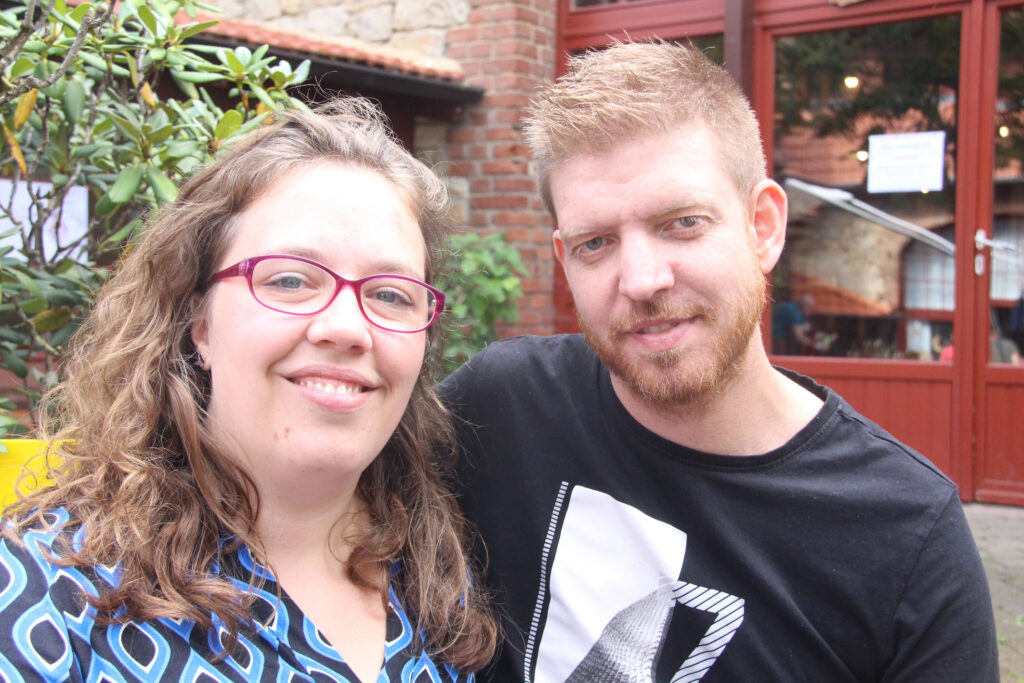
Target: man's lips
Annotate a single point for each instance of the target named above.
(656, 335)
(655, 328)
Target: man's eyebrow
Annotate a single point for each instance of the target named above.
(688, 203)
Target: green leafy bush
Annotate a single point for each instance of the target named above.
(112, 102)
(482, 285)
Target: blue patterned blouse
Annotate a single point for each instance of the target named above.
(46, 634)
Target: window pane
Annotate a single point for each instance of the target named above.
(868, 264)
(1007, 256)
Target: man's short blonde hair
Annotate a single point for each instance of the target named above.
(631, 90)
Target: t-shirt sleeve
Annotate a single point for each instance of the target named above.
(944, 628)
(35, 644)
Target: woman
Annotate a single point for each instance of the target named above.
(246, 485)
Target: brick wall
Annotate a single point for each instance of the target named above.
(507, 47)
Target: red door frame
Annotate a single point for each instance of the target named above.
(786, 21)
(984, 376)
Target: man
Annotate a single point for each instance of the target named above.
(658, 502)
(791, 327)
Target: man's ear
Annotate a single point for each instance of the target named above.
(559, 246)
(768, 222)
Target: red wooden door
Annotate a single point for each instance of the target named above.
(869, 269)
(997, 247)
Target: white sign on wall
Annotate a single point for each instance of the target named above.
(906, 162)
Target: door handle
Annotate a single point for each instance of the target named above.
(981, 241)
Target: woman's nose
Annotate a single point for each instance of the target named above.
(342, 323)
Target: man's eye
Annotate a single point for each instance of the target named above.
(687, 221)
(593, 244)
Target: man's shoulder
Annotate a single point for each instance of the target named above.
(841, 428)
(520, 369)
(526, 356)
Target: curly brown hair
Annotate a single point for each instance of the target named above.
(139, 471)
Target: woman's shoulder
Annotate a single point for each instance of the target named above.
(32, 561)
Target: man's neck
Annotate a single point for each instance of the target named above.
(755, 410)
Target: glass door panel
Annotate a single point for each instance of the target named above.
(1006, 241)
(865, 145)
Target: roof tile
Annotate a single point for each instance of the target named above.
(348, 49)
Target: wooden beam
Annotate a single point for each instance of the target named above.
(739, 43)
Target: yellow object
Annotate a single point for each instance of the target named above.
(21, 455)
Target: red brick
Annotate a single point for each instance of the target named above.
(480, 185)
(528, 16)
(506, 66)
(514, 82)
(515, 185)
(462, 168)
(506, 13)
(463, 35)
(504, 167)
(456, 152)
(506, 30)
(514, 48)
(523, 218)
(479, 16)
(534, 285)
(501, 201)
(510, 152)
(464, 134)
(506, 100)
(481, 50)
(508, 116)
(501, 133)
(459, 51)
(516, 235)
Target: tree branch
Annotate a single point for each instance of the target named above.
(90, 22)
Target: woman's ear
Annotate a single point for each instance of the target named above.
(768, 222)
(200, 330)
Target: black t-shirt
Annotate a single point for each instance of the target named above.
(616, 555)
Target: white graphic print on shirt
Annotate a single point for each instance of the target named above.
(614, 583)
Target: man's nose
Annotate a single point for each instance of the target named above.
(644, 269)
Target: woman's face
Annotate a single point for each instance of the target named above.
(312, 398)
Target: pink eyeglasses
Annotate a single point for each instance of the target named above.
(301, 286)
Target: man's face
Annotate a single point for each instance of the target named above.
(659, 251)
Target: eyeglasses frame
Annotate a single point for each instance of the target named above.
(245, 267)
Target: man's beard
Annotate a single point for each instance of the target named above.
(677, 377)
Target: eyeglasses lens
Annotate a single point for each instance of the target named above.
(302, 288)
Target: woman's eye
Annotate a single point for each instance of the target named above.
(391, 296)
(687, 221)
(287, 282)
